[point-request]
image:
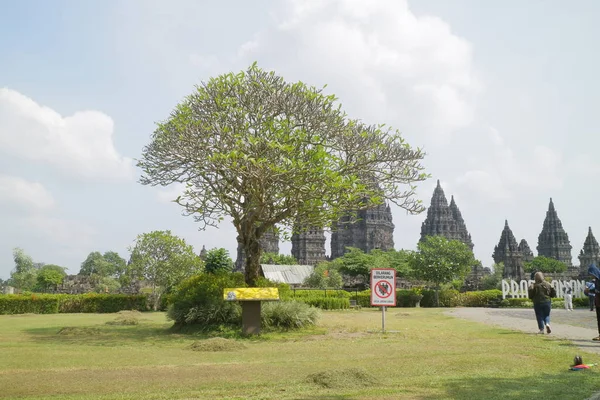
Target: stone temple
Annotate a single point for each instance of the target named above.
(445, 220)
(308, 246)
(553, 241)
(373, 229)
(507, 251)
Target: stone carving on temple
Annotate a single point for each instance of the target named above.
(308, 246)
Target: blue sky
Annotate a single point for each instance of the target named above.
(501, 95)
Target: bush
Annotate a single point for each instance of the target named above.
(66, 303)
(479, 299)
(288, 315)
(448, 298)
(101, 303)
(521, 303)
(199, 300)
(36, 304)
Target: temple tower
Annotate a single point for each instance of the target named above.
(589, 254)
(507, 252)
(445, 220)
(203, 253)
(525, 251)
(372, 229)
(308, 247)
(553, 241)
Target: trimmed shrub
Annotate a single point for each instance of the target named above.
(101, 303)
(520, 303)
(35, 304)
(66, 303)
(448, 298)
(289, 314)
(479, 299)
(198, 300)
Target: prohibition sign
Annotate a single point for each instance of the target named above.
(383, 289)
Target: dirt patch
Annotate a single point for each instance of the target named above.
(343, 378)
(402, 314)
(78, 331)
(217, 344)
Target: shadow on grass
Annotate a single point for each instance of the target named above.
(575, 385)
(116, 335)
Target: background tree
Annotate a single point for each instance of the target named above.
(98, 266)
(163, 260)
(49, 277)
(356, 263)
(218, 260)
(439, 260)
(269, 153)
(24, 276)
(278, 259)
(324, 276)
(493, 281)
(544, 264)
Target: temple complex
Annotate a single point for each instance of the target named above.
(553, 241)
(373, 229)
(589, 254)
(507, 252)
(445, 220)
(308, 247)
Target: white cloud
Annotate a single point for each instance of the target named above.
(79, 145)
(23, 194)
(502, 175)
(378, 57)
(63, 232)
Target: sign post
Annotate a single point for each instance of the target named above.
(383, 290)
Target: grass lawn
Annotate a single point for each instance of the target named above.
(432, 356)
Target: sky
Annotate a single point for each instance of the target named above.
(501, 95)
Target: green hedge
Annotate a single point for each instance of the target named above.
(67, 303)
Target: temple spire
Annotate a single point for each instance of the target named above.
(553, 241)
(507, 252)
(445, 219)
(590, 253)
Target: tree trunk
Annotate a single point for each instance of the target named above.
(253, 251)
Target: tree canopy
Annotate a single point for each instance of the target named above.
(24, 275)
(163, 260)
(439, 260)
(544, 264)
(218, 260)
(357, 263)
(49, 277)
(269, 153)
(278, 259)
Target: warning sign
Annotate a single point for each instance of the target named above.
(383, 287)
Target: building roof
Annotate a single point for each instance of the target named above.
(290, 274)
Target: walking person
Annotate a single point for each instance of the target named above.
(568, 296)
(595, 273)
(589, 290)
(541, 292)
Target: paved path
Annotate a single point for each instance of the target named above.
(578, 326)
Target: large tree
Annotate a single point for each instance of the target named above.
(24, 276)
(163, 260)
(268, 153)
(98, 265)
(439, 260)
(49, 277)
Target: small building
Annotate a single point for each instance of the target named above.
(293, 275)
